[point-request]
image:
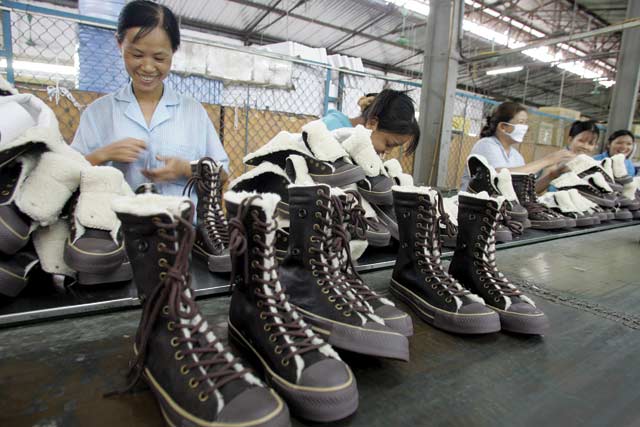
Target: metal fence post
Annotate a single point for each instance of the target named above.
(7, 44)
(327, 90)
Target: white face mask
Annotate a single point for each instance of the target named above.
(518, 132)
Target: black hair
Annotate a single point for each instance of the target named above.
(619, 133)
(395, 113)
(503, 113)
(148, 15)
(580, 126)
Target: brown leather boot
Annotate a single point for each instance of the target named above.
(194, 376)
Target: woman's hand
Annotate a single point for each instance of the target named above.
(560, 157)
(126, 150)
(174, 169)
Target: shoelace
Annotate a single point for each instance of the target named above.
(331, 240)
(514, 226)
(485, 258)
(289, 325)
(427, 246)
(174, 291)
(209, 185)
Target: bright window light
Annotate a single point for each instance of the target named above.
(504, 70)
(40, 67)
(413, 5)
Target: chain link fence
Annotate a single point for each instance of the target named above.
(70, 64)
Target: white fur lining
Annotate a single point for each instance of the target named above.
(360, 148)
(483, 195)
(485, 162)
(565, 203)
(619, 168)
(607, 166)
(28, 162)
(413, 189)
(393, 167)
(598, 180)
(267, 201)
(46, 190)
(505, 185)
(321, 142)
(283, 141)
(548, 200)
(451, 208)
(568, 179)
(262, 168)
(99, 185)
(582, 203)
(629, 189)
(49, 243)
(357, 248)
(150, 204)
(581, 163)
(301, 169)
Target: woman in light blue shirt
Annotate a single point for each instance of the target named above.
(146, 129)
(620, 142)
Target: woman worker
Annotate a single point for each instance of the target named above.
(390, 115)
(505, 129)
(620, 142)
(146, 129)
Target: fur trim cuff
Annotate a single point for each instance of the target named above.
(619, 168)
(278, 149)
(150, 204)
(582, 163)
(99, 185)
(321, 142)
(49, 243)
(297, 170)
(598, 180)
(567, 180)
(267, 201)
(505, 186)
(393, 168)
(360, 148)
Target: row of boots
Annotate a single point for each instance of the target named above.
(286, 318)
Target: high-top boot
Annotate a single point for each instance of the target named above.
(485, 178)
(265, 178)
(474, 266)
(315, 287)
(419, 278)
(344, 208)
(194, 376)
(301, 367)
(541, 217)
(212, 229)
(363, 216)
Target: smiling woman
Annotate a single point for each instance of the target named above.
(146, 129)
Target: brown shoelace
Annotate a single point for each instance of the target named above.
(288, 325)
(175, 294)
(209, 185)
(332, 240)
(488, 267)
(427, 247)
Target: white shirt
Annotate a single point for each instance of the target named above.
(179, 127)
(491, 148)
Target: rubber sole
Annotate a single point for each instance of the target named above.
(504, 236)
(623, 215)
(600, 201)
(123, 273)
(378, 239)
(314, 404)
(93, 263)
(473, 324)
(375, 340)
(548, 225)
(522, 323)
(215, 263)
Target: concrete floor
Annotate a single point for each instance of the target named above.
(583, 372)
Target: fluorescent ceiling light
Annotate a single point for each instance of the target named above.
(40, 67)
(504, 70)
(413, 5)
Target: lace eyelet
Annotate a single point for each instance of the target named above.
(171, 326)
(302, 213)
(267, 328)
(263, 316)
(316, 227)
(254, 264)
(277, 350)
(193, 383)
(163, 275)
(203, 397)
(156, 220)
(440, 293)
(184, 370)
(347, 314)
(496, 299)
(320, 193)
(178, 355)
(161, 247)
(259, 304)
(174, 342)
(448, 299)
(434, 286)
(285, 362)
(318, 203)
(338, 307)
(486, 286)
(273, 338)
(331, 298)
(317, 215)
(165, 309)
(314, 273)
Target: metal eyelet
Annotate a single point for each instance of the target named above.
(193, 383)
(314, 273)
(184, 370)
(317, 215)
(178, 355)
(285, 362)
(273, 338)
(174, 342)
(165, 309)
(156, 220)
(302, 213)
(497, 299)
(162, 275)
(295, 251)
(316, 227)
(259, 304)
(448, 299)
(171, 326)
(267, 328)
(162, 262)
(5, 193)
(142, 246)
(440, 293)
(277, 350)
(339, 307)
(161, 247)
(263, 316)
(434, 286)
(203, 397)
(347, 314)
(331, 298)
(318, 202)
